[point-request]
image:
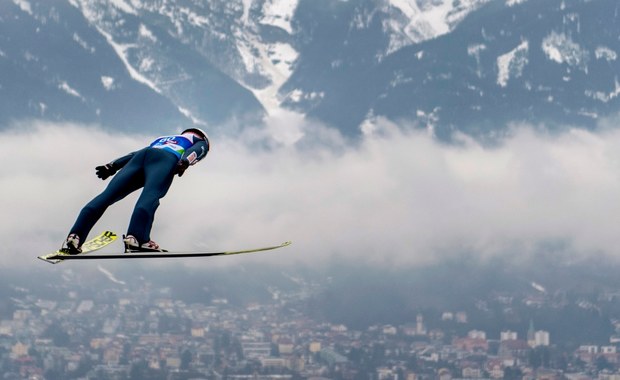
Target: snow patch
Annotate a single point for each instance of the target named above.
(80, 41)
(282, 56)
(146, 64)
(274, 61)
(279, 13)
(193, 18)
(86, 8)
(361, 20)
(603, 52)
(108, 83)
(69, 90)
(136, 4)
(512, 63)
(121, 51)
(24, 6)
(247, 5)
(561, 48)
(250, 62)
(123, 6)
(605, 97)
(512, 3)
(399, 78)
(188, 114)
(474, 51)
(425, 21)
(298, 95)
(146, 33)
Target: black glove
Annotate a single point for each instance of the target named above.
(182, 165)
(106, 171)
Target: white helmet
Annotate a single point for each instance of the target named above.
(199, 132)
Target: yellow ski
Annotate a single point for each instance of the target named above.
(94, 244)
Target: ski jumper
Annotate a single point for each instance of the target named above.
(151, 168)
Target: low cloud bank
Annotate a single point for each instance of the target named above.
(398, 197)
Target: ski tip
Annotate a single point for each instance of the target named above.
(109, 234)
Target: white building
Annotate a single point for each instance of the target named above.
(608, 349)
(588, 349)
(420, 328)
(541, 338)
(477, 334)
(507, 335)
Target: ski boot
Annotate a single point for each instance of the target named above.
(132, 245)
(72, 245)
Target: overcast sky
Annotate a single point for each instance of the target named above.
(396, 197)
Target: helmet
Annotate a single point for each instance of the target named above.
(198, 131)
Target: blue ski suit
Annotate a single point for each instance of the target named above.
(151, 168)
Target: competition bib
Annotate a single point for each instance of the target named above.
(176, 144)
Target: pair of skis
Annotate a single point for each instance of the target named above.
(109, 237)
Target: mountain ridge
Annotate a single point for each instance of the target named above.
(471, 66)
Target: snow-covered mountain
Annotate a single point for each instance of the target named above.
(445, 65)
